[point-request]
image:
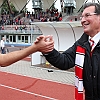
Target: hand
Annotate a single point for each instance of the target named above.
(46, 38)
(45, 43)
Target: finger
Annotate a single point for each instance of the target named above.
(48, 38)
(36, 41)
(47, 50)
(39, 39)
(50, 43)
(50, 47)
(51, 38)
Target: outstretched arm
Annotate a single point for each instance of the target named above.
(12, 57)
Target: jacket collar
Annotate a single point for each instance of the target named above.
(83, 41)
(98, 45)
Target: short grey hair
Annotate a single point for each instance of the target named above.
(97, 7)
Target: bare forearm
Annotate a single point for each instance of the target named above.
(42, 46)
(7, 59)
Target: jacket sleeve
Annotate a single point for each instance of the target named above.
(63, 60)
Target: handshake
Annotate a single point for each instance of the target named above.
(44, 44)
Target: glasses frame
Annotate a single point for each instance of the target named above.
(87, 15)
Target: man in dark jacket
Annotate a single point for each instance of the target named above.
(80, 55)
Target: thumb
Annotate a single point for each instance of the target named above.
(48, 38)
(51, 38)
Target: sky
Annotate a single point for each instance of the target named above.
(57, 5)
(29, 6)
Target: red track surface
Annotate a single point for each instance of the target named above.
(16, 87)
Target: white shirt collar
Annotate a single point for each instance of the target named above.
(96, 38)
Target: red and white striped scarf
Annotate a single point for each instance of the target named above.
(79, 61)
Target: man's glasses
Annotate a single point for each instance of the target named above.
(87, 15)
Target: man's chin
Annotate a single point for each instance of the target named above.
(86, 31)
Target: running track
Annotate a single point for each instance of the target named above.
(17, 87)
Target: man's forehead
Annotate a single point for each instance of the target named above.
(89, 9)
